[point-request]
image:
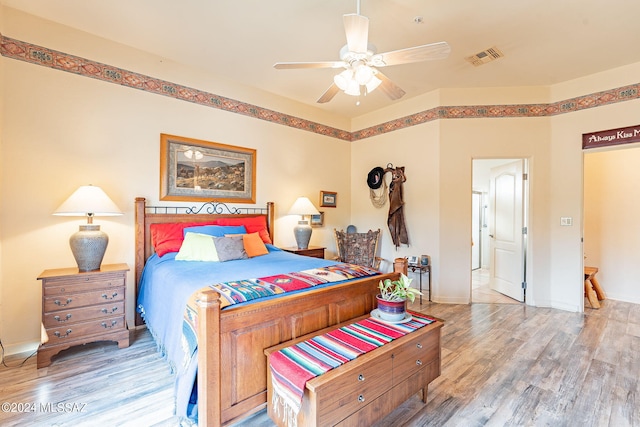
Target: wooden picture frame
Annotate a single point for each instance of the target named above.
(328, 199)
(196, 170)
(317, 220)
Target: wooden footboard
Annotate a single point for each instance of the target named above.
(232, 367)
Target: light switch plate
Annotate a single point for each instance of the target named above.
(566, 221)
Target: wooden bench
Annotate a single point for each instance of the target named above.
(369, 387)
(592, 288)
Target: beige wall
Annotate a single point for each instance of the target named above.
(611, 225)
(60, 131)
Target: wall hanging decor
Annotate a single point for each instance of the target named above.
(328, 199)
(395, 219)
(191, 169)
(377, 187)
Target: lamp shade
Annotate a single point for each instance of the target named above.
(302, 232)
(89, 243)
(88, 200)
(303, 206)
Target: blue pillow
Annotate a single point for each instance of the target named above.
(216, 230)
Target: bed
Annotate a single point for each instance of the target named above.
(230, 363)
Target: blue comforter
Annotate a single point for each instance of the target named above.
(167, 284)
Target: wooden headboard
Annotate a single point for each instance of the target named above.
(209, 211)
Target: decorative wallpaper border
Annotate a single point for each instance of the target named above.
(15, 49)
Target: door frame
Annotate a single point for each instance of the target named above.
(526, 212)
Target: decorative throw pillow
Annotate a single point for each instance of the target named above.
(230, 248)
(253, 244)
(217, 230)
(254, 224)
(198, 247)
(168, 237)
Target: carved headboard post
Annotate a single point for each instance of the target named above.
(139, 249)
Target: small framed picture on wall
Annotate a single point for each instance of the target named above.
(328, 199)
(317, 220)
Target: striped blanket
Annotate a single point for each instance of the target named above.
(235, 292)
(293, 366)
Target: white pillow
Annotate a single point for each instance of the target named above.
(197, 247)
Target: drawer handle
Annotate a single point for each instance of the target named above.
(419, 345)
(57, 334)
(419, 362)
(67, 317)
(105, 296)
(113, 323)
(361, 398)
(113, 310)
(57, 302)
(360, 377)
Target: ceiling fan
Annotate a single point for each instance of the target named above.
(361, 62)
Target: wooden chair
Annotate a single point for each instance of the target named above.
(358, 248)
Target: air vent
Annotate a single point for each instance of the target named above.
(485, 56)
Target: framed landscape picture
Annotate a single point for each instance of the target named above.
(195, 170)
(328, 199)
(317, 220)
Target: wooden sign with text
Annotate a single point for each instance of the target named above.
(611, 137)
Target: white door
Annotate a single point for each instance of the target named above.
(506, 230)
(476, 239)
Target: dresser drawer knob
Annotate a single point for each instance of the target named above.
(67, 317)
(360, 377)
(113, 310)
(57, 302)
(361, 398)
(419, 362)
(105, 296)
(57, 334)
(113, 323)
(419, 345)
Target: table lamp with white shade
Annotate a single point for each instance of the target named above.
(302, 231)
(89, 243)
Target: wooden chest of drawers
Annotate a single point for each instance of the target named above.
(83, 307)
(371, 386)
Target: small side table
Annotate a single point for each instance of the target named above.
(420, 269)
(312, 251)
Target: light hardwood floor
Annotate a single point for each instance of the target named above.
(502, 364)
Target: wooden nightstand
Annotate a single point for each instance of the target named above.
(313, 251)
(83, 307)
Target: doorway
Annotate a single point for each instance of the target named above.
(498, 244)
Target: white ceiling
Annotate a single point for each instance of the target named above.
(544, 41)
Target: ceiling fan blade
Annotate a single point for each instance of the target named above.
(356, 28)
(425, 52)
(390, 89)
(295, 65)
(328, 94)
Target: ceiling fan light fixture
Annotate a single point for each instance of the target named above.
(363, 74)
(342, 80)
(373, 83)
(353, 89)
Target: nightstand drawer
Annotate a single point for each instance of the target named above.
(61, 318)
(75, 331)
(81, 284)
(83, 299)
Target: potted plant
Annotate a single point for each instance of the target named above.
(393, 298)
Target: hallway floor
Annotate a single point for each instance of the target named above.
(482, 293)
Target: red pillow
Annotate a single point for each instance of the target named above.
(168, 237)
(254, 224)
